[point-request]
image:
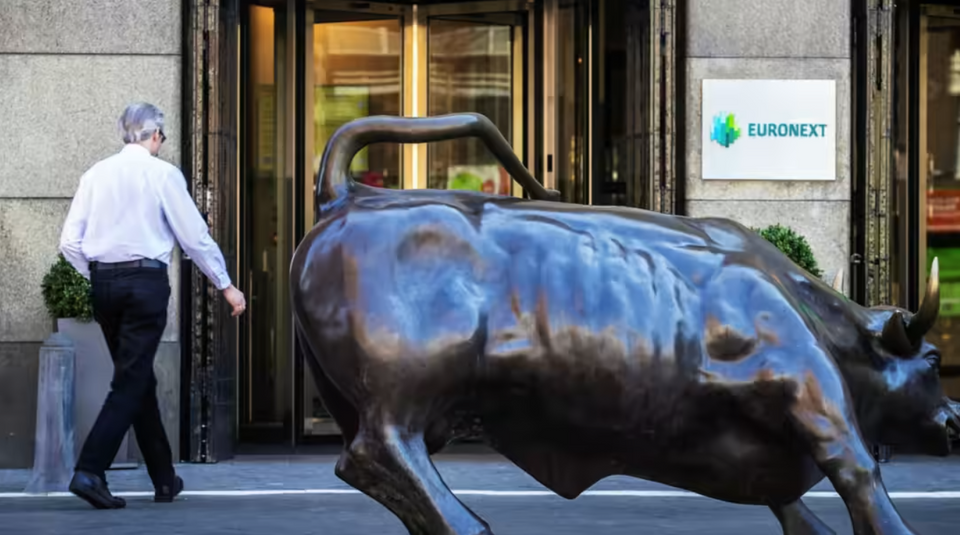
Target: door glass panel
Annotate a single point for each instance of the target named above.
(268, 197)
(900, 216)
(357, 72)
(940, 179)
(620, 116)
(572, 101)
(355, 67)
(469, 70)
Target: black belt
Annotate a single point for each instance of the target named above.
(142, 263)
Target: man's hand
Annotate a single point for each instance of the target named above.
(236, 300)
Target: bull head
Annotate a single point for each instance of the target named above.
(901, 336)
(900, 389)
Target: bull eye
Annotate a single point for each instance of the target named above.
(933, 358)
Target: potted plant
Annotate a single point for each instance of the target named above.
(67, 296)
(793, 245)
(66, 293)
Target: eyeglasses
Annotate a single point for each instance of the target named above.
(163, 137)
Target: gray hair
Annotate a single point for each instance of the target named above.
(139, 121)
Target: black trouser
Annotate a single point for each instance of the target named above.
(130, 304)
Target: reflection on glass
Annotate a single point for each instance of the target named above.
(357, 73)
(572, 101)
(900, 267)
(268, 194)
(621, 177)
(469, 71)
(614, 171)
(940, 179)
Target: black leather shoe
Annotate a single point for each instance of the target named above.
(94, 491)
(166, 494)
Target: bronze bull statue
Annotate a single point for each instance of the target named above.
(584, 341)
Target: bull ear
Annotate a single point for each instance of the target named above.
(926, 317)
(894, 336)
(838, 281)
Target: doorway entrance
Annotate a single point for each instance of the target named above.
(925, 178)
(938, 185)
(306, 69)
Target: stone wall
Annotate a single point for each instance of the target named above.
(67, 69)
(773, 39)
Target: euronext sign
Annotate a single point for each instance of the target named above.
(787, 130)
(769, 130)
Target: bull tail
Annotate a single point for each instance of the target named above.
(334, 180)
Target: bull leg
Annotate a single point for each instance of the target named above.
(797, 519)
(825, 419)
(393, 467)
(342, 411)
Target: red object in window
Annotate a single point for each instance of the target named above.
(372, 178)
(505, 182)
(943, 210)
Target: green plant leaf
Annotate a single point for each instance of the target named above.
(792, 244)
(66, 293)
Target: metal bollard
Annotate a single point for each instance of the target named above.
(53, 456)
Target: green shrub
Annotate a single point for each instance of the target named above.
(793, 245)
(66, 293)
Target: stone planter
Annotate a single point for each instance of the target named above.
(94, 371)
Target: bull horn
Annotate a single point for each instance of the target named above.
(838, 281)
(926, 316)
(894, 335)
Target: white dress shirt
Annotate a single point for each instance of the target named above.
(133, 206)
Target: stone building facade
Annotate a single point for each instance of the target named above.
(780, 40)
(589, 82)
(67, 70)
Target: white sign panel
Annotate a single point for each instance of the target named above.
(769, 130)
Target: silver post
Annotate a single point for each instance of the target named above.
(53, 456)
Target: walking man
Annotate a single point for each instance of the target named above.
(120, 231)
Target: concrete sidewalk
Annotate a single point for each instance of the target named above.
(239, 497)
(461, 471)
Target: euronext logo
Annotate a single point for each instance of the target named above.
(725, 130)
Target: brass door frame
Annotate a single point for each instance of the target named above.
(662, 110)
(873, 30)
(210, 124)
